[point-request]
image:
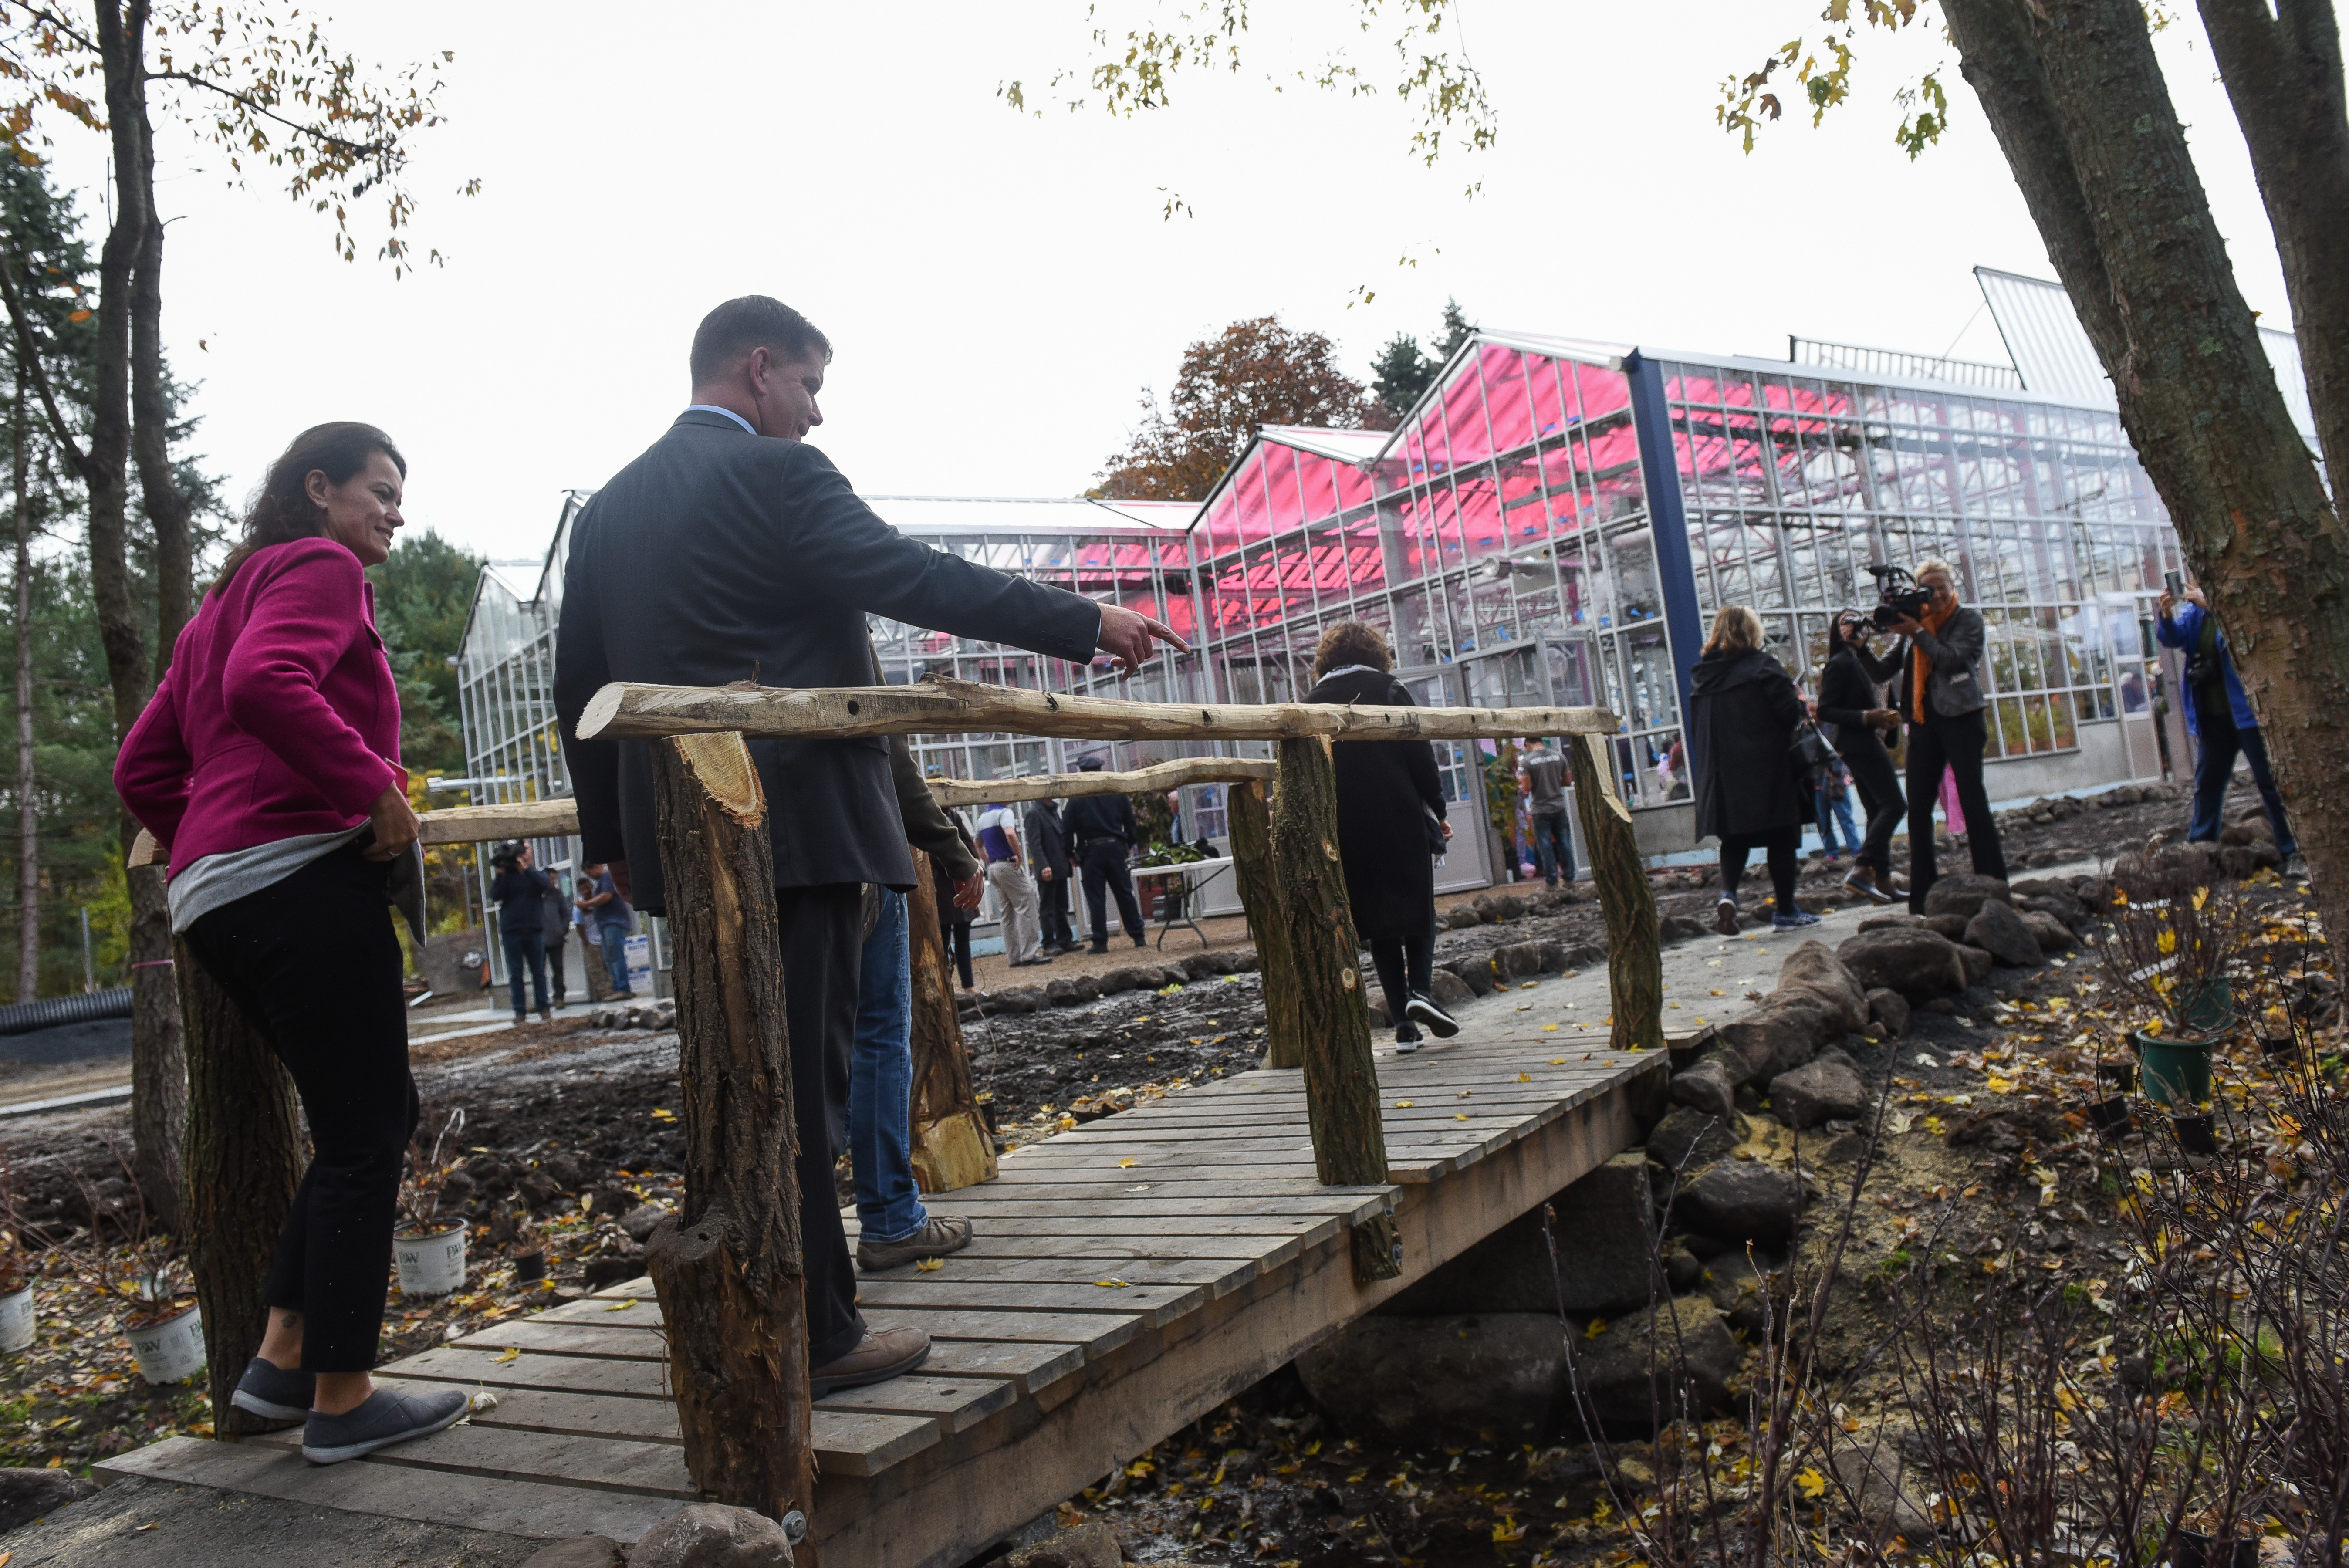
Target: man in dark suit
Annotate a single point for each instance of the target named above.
(1047, 859)
(732, 551)
(1104, 831)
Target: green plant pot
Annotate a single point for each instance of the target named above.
(2210, 1011)
(2177, 1069)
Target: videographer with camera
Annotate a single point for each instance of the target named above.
(1940, 696)
(1848, 702)
(521, 890)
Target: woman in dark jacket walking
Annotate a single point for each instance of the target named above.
(1742, 710)
(1388, 792)
(1848, 702)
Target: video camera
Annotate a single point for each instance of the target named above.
(1898, 597)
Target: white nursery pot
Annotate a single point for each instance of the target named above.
(431, 1264)
(173, 1350)
(17, 1320)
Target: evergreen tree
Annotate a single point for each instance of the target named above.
(423, 594)
(1403, 371)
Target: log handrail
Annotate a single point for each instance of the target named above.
(1147, 780)
(940, 705)
(518, 819)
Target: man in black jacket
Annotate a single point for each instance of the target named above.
(1047, 859)
(1104, 829)
(732, 551)
(518, 889)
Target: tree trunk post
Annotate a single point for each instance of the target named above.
(1635, 954)
(1267, 919)
(159, 1067)
(1342, 1081)
(729, 1268)
(952, 1147)
(244, 1158)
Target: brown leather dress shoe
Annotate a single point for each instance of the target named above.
(881, 1354)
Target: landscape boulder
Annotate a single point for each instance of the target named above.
(1674, 928)
(1952, 926)
(1017, 999)
(1447, 989)
(1706, 1087)
(1688, 1137)
(1872, 1479)
(1742, 1294)
(579, 1551)
(1889, 1008)
(26, 1495)
(1088, 1545)
(1977, 963)
(713, 1535)
(1814, 970)
(2053, 934)
(1519, 960)
(1680, 1362)
(1605, 1249)
(1826, 1089)
(1963, 893)
(1917, 963)
(1889, 919)
(1741, 1200)
(1997, 930)
(1429, 1379)
(2052, 897)
(1461, 917)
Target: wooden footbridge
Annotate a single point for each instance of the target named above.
(1125, 1279)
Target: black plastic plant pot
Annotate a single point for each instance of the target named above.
(2197, 1134)
(2118, 1077)
(2196, 1550)
(2111, 1117)
(530, 1268)
(2273, 1046)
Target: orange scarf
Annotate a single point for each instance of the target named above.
(1921, 668)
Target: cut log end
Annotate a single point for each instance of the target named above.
(142, 850)
(721, 765)
(600, 710)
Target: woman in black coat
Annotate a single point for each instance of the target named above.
(1387, 795)
(1849, 703)
(1742, 710)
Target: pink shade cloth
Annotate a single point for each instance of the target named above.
(1949, 808)
(279, 718)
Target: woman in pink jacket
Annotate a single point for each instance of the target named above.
(266, 766)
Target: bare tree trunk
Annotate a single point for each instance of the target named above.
(1635, 953)
(28, 805)
(169, 507)
(729, 1268)
(159, 1068)
(2281, 65)
(2076, 99)
(121, 40)
(1342, 1080)
(1267, 918)
(952, 1147)
(244, 1160)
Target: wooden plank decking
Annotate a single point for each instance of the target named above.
(1124, 1279)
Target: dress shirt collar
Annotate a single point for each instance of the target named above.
(714, 409)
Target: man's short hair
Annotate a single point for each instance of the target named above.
(1088, 764)
(754, 321)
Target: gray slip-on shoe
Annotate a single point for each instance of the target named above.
(268, 1390)
(940, 1234)
(384, 1418)
(881, 1354)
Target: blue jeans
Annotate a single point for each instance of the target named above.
(2214, 766)
(615, 949)
(881, 1083)
(1553, 847)
(526, 950)
(1834, 809)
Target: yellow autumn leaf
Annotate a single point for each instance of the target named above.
(512, 1353)
(928, 1265)
(1509, 1528)
(1114, 1284)
(1402, 1105)
(621, 1305)
(1124, 1162)
(1525, 1077)
(1809, 1481)
(1460, 1116)
(1557, 1061)
(1550, 1029)
(2167, 942)
(2201, 897)
(1598, 1327)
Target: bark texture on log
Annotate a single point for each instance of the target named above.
(1268, 923)
(244, 1158)
(2076, 98)
(1635, 953)
(952, 1147)
(1342, 1081)
(159, 1067)
(479, 825)
(1155, 778)
(728, 1268)
(941, 705)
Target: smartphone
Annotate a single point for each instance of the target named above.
(2175, 583)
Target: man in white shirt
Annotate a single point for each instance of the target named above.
(999, 844)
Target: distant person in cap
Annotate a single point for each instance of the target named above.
(1104, 829)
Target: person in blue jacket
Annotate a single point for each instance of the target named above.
(2220, 718)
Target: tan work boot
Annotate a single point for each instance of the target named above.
(940, 1234)
(881, 1354)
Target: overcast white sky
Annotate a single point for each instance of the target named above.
(999, 288)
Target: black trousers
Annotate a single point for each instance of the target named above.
(526, 953)
(1052, 895)
(954, 935)
(823, 938)
(1104, 867)
(312, 963)
(1783, 849)
(1878, 783)
(1405, 966)
(1956, 744)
